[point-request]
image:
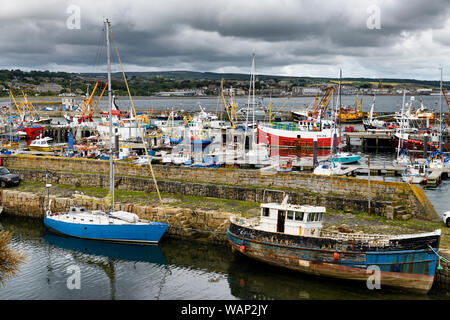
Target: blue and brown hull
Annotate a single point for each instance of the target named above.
(407, 264)
(142, 233)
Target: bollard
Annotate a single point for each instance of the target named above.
(315, 153)
(116, 144)
(335, 143)
(425, 147)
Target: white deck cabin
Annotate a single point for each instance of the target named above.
(300, 220)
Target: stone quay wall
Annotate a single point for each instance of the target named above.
(409, 198)
(201, 225)
(442, 278)
(248, 194)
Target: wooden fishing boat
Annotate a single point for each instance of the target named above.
(291, 236)
(415, 173)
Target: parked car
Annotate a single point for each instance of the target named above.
(446, 218)
(8, 179)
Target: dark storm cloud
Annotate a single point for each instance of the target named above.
(296, 37)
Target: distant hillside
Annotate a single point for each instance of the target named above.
(41, 83)
(194, 75)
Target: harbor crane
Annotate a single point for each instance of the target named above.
(230, 108)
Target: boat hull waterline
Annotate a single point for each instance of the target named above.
(141, 233)
(286, 138)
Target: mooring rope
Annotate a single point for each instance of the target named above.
(439, 267)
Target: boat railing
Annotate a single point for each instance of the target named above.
(376, 238)
(248, 222)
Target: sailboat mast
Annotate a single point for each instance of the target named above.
(334, 149)
(111, 163)
(400, 140)
(253, 86)
(340, 111)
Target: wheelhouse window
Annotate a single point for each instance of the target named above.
(315, 216)
(290, 215)
(265, 212)
(299, 216)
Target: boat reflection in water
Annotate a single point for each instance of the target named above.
(116, 251)
(249, 279)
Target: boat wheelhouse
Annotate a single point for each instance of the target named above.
(291, 219)
(291, 236)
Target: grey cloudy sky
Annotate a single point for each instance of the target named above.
(289, 37)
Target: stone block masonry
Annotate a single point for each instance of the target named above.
(200, 225)
(410, 198)
(248, 194)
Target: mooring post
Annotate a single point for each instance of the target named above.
(368, 182)
(315, 153)
(425, 147)
(116, 143)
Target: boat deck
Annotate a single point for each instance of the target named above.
(94, 218)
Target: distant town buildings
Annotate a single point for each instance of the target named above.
(181, 93)
(49, 87)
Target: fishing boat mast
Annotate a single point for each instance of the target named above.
(251, 92)
(111, 162)
(400, 139)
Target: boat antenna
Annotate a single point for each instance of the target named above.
(137, 121)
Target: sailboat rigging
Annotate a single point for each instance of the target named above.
(115, 226)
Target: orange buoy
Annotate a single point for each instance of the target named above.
(242, 248)
(336, 256)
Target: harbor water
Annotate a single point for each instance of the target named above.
(178, 269)
(388, 103)
(173, 270)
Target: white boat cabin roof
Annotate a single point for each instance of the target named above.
(303, 220)
(293, 207)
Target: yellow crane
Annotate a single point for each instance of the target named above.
(446, 100)
(324, 101)
(91, 112)
(21, 112)
(279, 109)
(87, 102)
(230, 108)
(28, 104)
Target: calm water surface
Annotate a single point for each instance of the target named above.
(176, 269)
(382, 103)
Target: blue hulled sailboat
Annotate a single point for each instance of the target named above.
(115, 226)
